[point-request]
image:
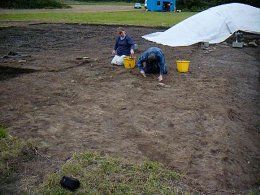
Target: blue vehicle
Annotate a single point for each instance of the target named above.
(160, 5)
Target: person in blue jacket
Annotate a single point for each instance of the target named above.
(124, 46)
(152, 61)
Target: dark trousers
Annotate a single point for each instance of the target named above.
(153, 69)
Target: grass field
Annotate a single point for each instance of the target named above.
(139, 18)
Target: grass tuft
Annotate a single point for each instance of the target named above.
(3, 132)
(106, 175)
(12, 151)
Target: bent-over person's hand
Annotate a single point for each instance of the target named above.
(160, 78)
(143, 73)
(114, 52)
(132, 53)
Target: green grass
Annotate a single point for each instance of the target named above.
(139, 18)
(106, 175)
(3, 132)
(12, 151)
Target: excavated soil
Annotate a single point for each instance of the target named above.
(204, 124)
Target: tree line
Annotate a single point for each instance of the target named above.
(30, 4)
(198, 5)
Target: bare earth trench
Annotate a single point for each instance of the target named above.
(204, 124)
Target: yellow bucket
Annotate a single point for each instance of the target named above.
(183, 65)
(129, 62)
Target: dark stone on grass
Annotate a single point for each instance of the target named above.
(69, 183)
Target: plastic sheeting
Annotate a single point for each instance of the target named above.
(213, 25)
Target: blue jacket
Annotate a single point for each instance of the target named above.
(124, 46)
(159, 56)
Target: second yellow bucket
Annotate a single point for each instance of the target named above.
(183, 65)
(129, 62)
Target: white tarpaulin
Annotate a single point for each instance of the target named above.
(213, 25)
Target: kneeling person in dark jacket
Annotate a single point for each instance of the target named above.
(124, 47)
(152, 61)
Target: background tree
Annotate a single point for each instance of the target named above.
(198, 5)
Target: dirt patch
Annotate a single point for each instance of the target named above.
(204, 123)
